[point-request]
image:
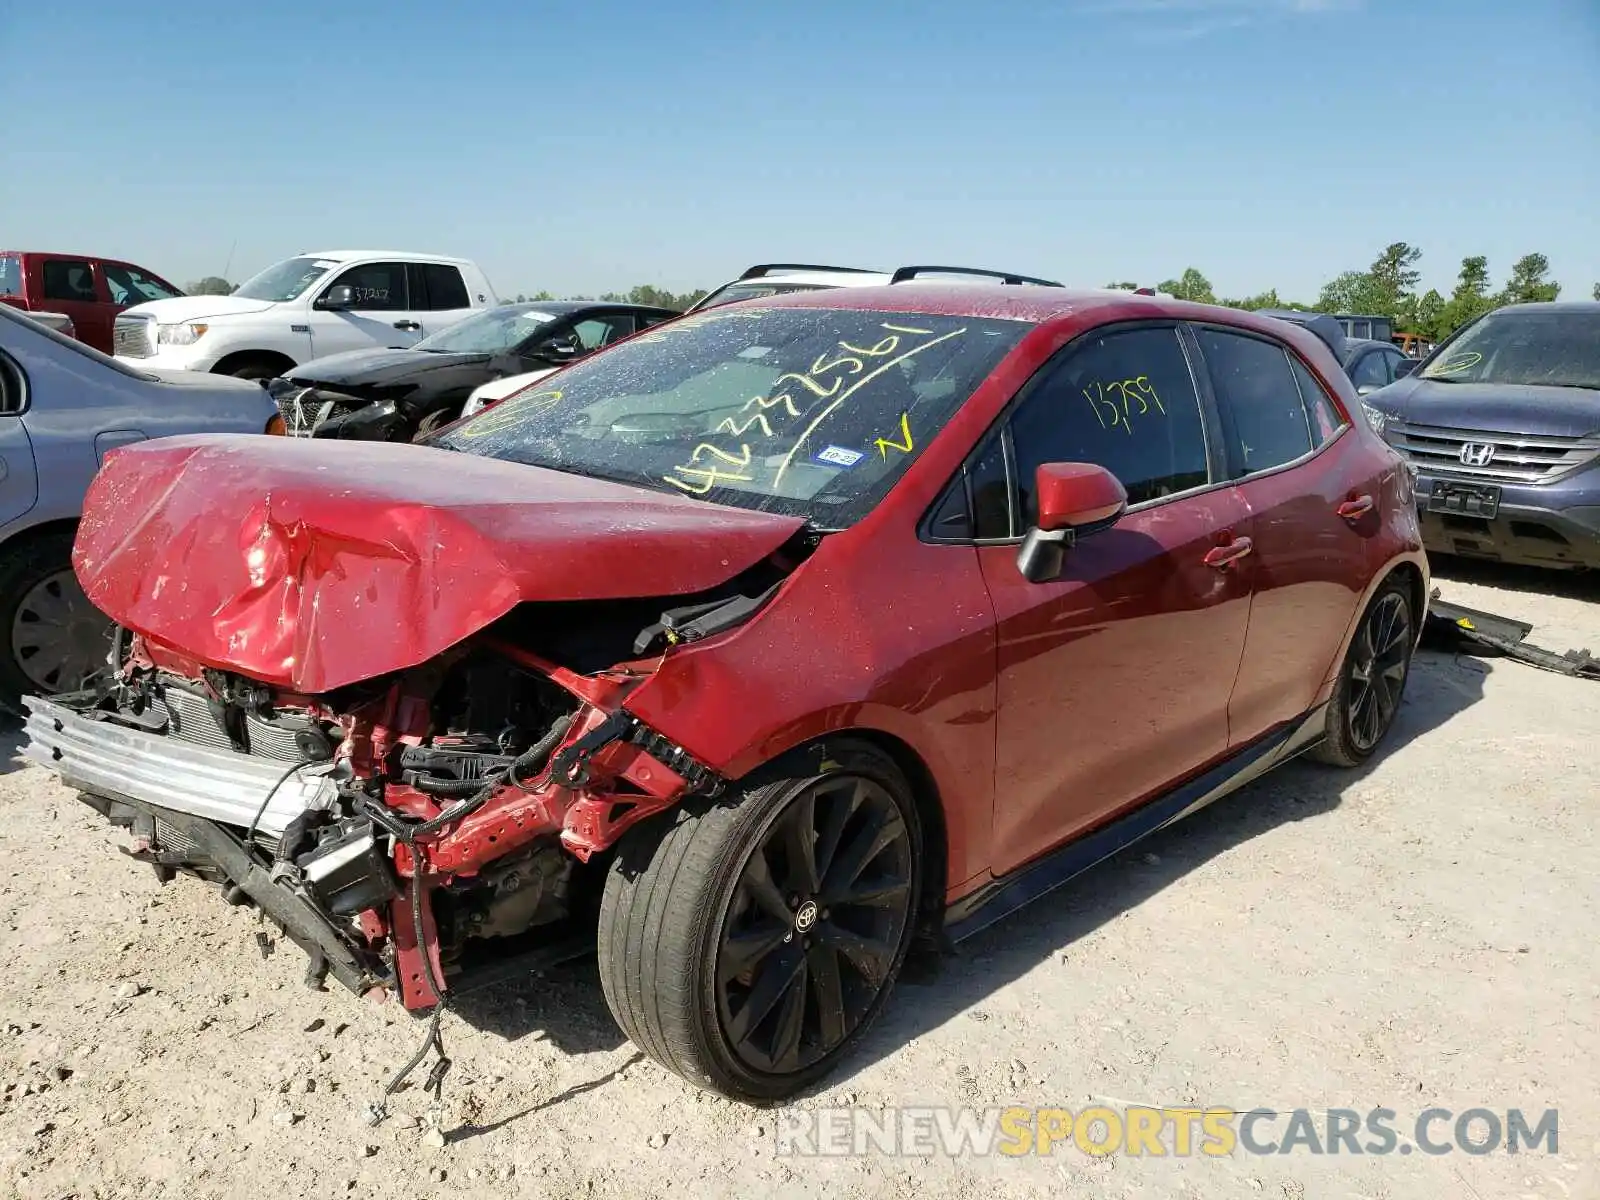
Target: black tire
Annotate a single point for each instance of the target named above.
(1372, 680)
(681, 912)
(256, 368)
(23, 569)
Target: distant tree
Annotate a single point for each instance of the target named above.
(538, 296)
(1471, 298)
(1190, 286)
(1125, 286)
(1596, 292)
(1393, 277)
(211, 285)
(1351, 292)
(1528, 284)
(1425, 315)
(1266, 299)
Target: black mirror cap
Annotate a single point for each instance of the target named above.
(1405, 366)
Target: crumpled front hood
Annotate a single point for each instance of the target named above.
(1493, 407)
(313, 565)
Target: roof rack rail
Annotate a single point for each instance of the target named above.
(908, 273)
(760, 269)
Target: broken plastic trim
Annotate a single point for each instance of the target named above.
(1470, 628)
(696, 621)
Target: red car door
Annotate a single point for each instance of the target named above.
(68, 285)
(1113, 680)
(1311, 494)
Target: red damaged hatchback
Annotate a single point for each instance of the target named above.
(752, 648)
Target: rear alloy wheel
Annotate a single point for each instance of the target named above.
(1374, 678)
(748, 946)
(51, 638)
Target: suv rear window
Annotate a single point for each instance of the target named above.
(10, 275)
(442, 288)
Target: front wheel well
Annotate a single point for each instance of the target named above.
(45, 529)
(269, 361)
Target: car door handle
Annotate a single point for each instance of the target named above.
(1355, 508)
(1225, 556)
(408, 326)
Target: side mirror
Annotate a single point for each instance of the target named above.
(336, 299)
(1405, 366)
(1074, 500)
(556, 351)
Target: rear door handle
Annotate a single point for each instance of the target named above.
(408, 326)
(1225, 556)
(1355, 508)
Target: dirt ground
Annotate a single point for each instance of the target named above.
(1418, 934)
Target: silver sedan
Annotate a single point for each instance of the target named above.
(63, 407)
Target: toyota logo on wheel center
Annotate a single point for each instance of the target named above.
(805, 916)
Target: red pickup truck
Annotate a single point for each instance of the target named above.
(92, 291)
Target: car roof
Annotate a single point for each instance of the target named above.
(1038, 305)
(400, 255)
(1553, 306)
(842, 277)
(1021, 302)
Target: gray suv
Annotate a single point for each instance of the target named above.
(1502, 423)
(63, 407)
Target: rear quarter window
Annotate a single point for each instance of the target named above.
(10, 275)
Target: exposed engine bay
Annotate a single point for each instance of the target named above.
(426, 830)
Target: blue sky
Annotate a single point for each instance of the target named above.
(598, 145)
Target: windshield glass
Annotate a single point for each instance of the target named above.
(285, 280)
(809, 412)
(1555, 349)
(490, 332)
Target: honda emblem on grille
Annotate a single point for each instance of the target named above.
(1477, 454)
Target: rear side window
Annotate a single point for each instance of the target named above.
(1262, 410)
(442, 287)
(10, 275)
(376, 286)
(1325, 418)
(1124, 400)
(68, 279)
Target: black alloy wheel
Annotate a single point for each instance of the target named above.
(816, 926)
(1373, 679)
(747, 942)
(1379, 661)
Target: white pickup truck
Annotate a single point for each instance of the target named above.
(305, 307)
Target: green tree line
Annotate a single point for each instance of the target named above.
(1388, 288)
(643, 294)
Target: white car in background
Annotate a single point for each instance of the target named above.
(305, 307)
(778, 279)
